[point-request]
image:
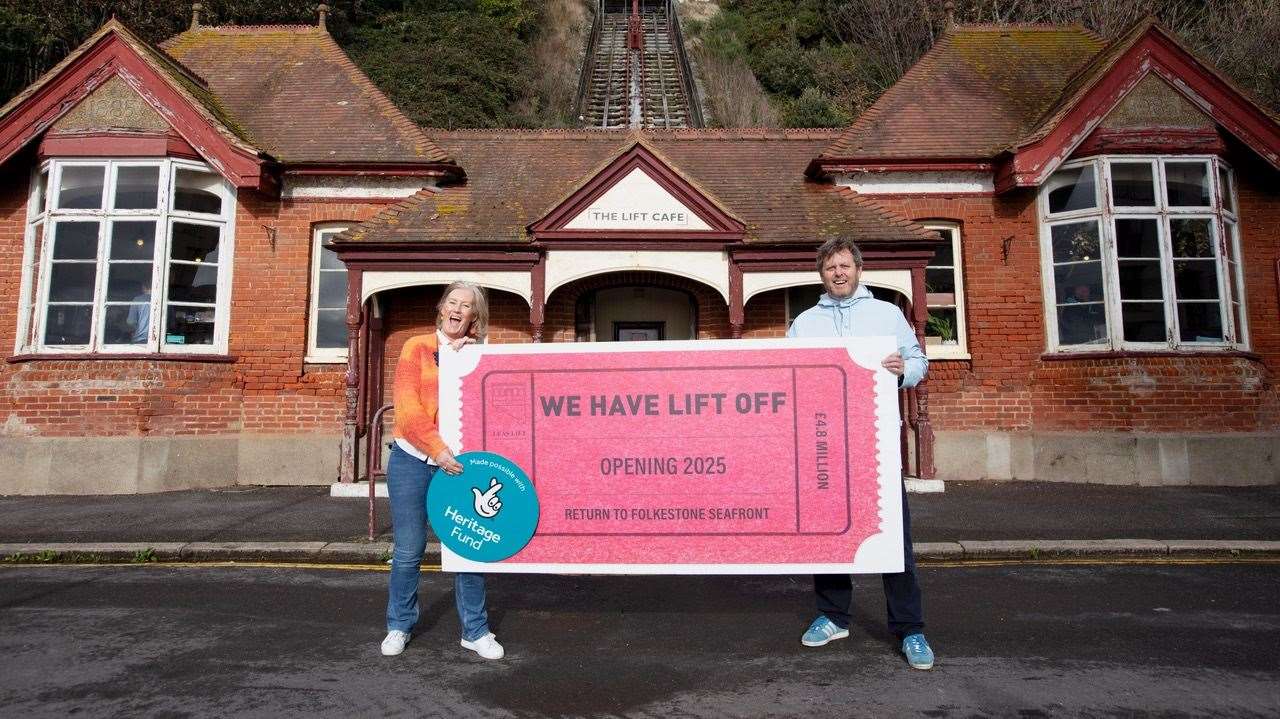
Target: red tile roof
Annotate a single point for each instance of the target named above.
(300, 96)
(980, 89)
(514, 177)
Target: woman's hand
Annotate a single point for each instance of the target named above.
(447, 462)
(461, 342)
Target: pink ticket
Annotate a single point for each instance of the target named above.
(746, 456)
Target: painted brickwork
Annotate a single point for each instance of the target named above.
(267, 389)
(1007, 385)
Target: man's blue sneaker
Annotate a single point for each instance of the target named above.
(919, 655)
(822, 631)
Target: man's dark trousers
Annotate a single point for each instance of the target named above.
(901, 591)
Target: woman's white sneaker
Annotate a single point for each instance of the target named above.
(486, 646)
(394, 643)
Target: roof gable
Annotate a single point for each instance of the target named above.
(638, 191)
(1095, 92)
(172, 91)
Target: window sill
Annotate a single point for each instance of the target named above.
(150, 357)
(324, 360)
(944, 356)
(1136, 354)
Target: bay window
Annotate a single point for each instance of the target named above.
(127, 256)
(1141, 253)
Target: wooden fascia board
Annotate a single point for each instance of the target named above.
(827, 166)
(113, 57)
(655, 237)
(373, 169)
(638, 156)
(115, 144)
(1030, 165)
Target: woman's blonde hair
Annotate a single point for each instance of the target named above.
(479, 306)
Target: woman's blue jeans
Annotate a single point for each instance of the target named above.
(407, 482)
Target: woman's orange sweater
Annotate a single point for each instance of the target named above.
(417, 394)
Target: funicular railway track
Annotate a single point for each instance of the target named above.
(635, 74)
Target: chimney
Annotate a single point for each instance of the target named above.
(323, 9)
(195, 14)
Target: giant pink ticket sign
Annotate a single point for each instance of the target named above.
(742, 456)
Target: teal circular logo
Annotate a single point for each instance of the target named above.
(488, 512)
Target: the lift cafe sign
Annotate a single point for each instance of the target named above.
(637, 202)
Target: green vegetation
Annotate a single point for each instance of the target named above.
(143, 556)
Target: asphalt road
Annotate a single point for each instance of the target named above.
(1026, 641)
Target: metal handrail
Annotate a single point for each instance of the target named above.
(588, 64)
(692, 103)
(374, 443)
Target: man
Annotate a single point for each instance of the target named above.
(847, 309)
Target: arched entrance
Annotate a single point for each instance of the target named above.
(635, 305)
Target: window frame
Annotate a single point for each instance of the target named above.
(43, 221)
(959, 350)
(1105, 214)
(322, 355)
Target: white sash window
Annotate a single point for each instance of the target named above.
(327, 318)
(1141, 253)
(127, 256)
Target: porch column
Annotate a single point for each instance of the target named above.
(537, 297)
(347, 468)
(737, 311)
(924, 429)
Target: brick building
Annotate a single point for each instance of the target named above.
(214, 250)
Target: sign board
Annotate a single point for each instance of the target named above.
(697, 457)
(637, 202)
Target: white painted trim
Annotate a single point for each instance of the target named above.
(943, 182)
(960, 350)
(519, 283)
(637, 202)
(754, 283)
(349, 187)
(709, 268)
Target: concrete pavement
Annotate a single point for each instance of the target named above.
(969, 521)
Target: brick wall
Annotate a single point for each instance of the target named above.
(1008, 385)
(266, 389)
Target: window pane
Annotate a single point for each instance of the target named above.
(943, 255)
(1224, 187)
(1137, 238)
(72, 281)
(1144, 322)
(331, 329)
(67, 324)
(941, 327)
(194, 243)
(1132, 184)
(329, 260)
(76, 241)
(129, 282)
(1072, 190)
(1187, 183)
(1192, 238)
(188, 325)
(1140, 280)
(1078, 283)
(1081, 324)
(193, 283)
(1075, 241)
(940, 281)
(126, 324)
(137, 188)
(1199, 322)
(333, 289)
(1196, 279)
(81, 188)
(42, 186)
(133, 240)
(197, 192)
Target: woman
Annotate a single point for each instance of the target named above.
(462, 317)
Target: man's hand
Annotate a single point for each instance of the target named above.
(461, 342)
(895, 364)
(447, 462)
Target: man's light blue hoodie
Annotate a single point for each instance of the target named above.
(861, 315)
